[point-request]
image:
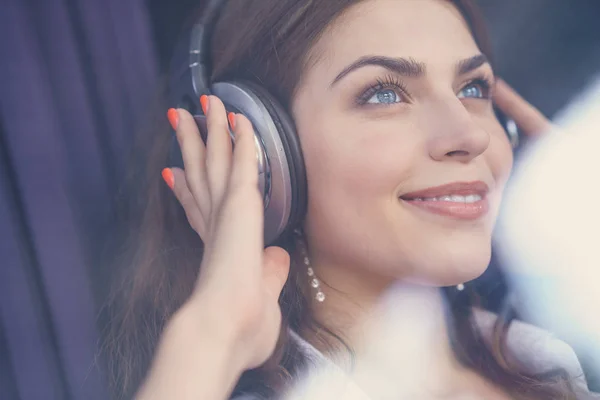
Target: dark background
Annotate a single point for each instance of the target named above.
(75, 79)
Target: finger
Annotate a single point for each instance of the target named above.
(241, 214)
(240, 220)
(531, 121)
(218, 150)
(244, 172)
(183, 194)
(276, 269)
(193, 153)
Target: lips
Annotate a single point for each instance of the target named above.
(458, 200)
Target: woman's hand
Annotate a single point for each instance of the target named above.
(528, 118)
(232, 320)
(219, 193)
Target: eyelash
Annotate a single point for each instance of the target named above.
(388, 82)
(392, 82)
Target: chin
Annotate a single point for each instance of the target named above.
(450, 267)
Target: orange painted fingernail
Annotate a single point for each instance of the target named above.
(231, 118)
(167, 175)
(204, 103)
(173, 118)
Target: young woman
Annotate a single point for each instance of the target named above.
(406, 164)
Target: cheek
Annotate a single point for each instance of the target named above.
(500, 156)
(360, 158)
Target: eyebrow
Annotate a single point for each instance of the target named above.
(408, 66)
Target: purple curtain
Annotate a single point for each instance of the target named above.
(74, 78)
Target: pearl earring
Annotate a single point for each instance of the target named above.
(314, 282)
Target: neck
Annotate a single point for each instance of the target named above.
(391, 327)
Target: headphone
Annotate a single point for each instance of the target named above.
(282, 175)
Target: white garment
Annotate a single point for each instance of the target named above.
(536, 349)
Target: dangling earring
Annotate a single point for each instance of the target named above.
(460, 287)
(314, 282)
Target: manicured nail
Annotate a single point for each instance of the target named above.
(231, 118)
(167, 175)
(204, 103)
(173, 118)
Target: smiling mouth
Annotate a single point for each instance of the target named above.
(459, 200)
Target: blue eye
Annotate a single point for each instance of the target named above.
(386, 92)
(471, 91)
(478, 89)
(384, 96)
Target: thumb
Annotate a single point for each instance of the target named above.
(276, 267)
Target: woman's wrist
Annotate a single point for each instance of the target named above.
(196, 358)
(201, 321)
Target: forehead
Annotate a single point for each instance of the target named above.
(429, 31)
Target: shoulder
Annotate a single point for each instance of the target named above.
(536, 349)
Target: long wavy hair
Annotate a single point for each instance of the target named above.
(156, 255)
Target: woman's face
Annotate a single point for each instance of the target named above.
(397, 100)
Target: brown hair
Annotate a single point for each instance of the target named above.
(159, 254)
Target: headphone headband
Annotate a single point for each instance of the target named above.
(199, 50)
(190, 65)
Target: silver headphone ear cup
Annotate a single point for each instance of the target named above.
(293, 149)
(284, 177)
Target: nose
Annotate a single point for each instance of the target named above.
(456, 136)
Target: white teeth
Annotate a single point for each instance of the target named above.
(472, 198)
